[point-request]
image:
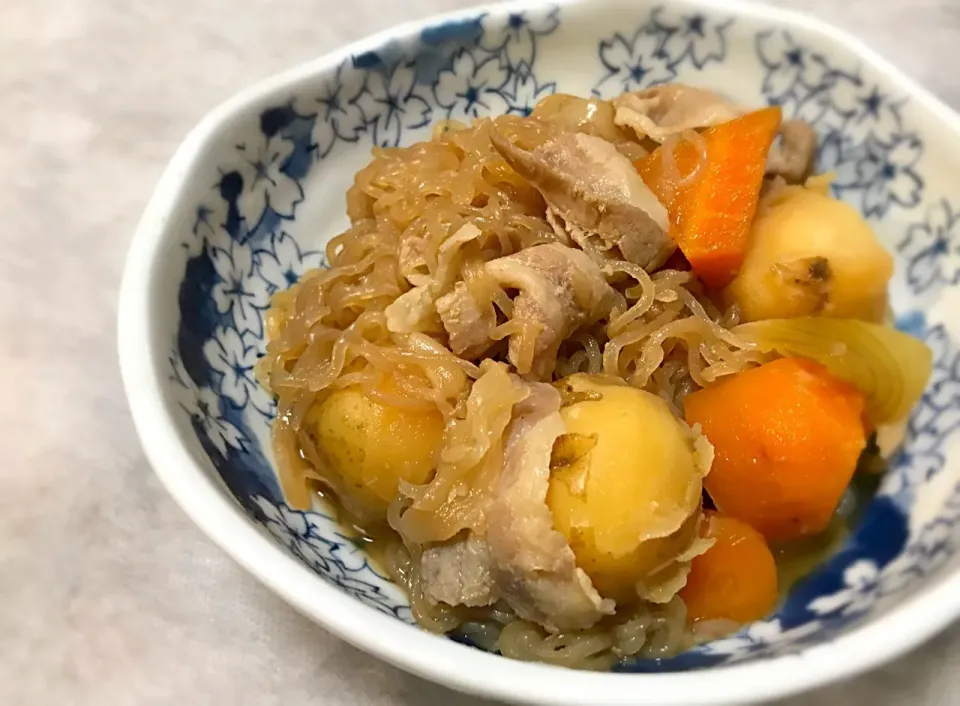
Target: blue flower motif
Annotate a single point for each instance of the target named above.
(283, 263)
(391, 105)
(292, 530)
(233, 355)
(523, 92)
(861, 584)
(813, 107)
(876, 116)
(761, 637)
(209, 227)
(240, 291)
(791, 68)
(937, 543)
(885, 175)
(694, 37)
(939, 408)
(862, 138)
(488, 65)
(635, 62)
(204, 409)
(945, 356)
(209, 219)
(924, 458)
(517, 38)
(933, 422)
(313, 538)
(934, 544)
(653, 54)
(265, 183)
(833, 156)
(339, 116)
(865, 583)
(471, 88)
(932, 248)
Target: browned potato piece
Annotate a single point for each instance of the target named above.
(369, 447)
(811, 255)
(626, 483)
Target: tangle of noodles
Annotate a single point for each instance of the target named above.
(429, 216)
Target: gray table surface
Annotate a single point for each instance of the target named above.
(108, 594)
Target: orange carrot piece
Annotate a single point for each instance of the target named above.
(710, 217)
(736, 578)
(787, 437)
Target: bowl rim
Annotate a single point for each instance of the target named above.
(439, 659)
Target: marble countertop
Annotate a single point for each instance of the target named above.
(108, 593)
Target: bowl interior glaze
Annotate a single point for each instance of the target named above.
(270, 193)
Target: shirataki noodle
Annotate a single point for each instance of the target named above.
(429, 216)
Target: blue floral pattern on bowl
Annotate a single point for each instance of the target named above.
(656, 51)
(864, 140)
(248, 240)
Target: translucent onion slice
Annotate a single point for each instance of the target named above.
(889, 367)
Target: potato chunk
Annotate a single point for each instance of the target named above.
(368, 447)
(811, 255)
(625, 484)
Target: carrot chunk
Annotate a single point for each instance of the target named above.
(787, 437)
(736, 579)
(710, 216)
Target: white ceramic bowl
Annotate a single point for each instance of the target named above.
(255, 190)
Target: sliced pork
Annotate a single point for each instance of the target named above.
(416, 309)
(595, 196)
(663, 111)
(533, 566)
(411, 311)
(467, 322)
(458, 572)
(792, 159)
(560, 290)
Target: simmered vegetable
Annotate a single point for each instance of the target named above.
(674, 241)
(625, 484)
(369, 447)
(811, 254)
(787, 437)
(712, 203)
(889, 367)
(736, 578)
